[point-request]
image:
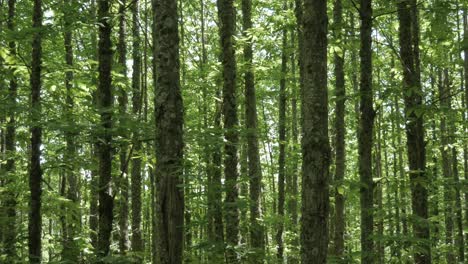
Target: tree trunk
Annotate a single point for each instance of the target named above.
(445, 102)
(71, 250)
(459, 241)
(169, 135)
(465, 145)
(282, 147)
(137, 242)
(123, 102)
(315, 145)
(9, 232)
(226, 14)
(104, 142)
(35, 173)
(365, 134)
(340, 155)
(254, 167)
(409, 52)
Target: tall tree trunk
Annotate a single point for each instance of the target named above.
(409, 53)
(254, 167)
(137, 242)
(9, 232)
(315, 145)
(226, 14)
(104, 142)
(282, 146)
(123, 102)
(465, 145)
(340, 156)
(169, 135)
(94, 197)
(35, 173)
(71, 250)
(445, 104)
(459, 241)
(365, 134)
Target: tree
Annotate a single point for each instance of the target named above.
(104, 142)
(226, 15)
(365, 134)
(137, 242)
(409, 52)
(254, 167)
(315, 146)
(169, 135)
(35, 172)
(340, 97)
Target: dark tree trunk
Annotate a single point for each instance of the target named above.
(365, 134)
(409, 52)
(459, 240)
(169, 135)
(315, 145)
(104, 142)
(465, 146)
(282, 147)
(254, 167)
(9, 232)
(137, 242)
(35, 173)
(226, 14)
(340, 158)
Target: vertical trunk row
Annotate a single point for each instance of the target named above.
(226, 14)
(71, 249)
(465, 112)
(169, 134)
(315, 145)
(137, 242)
(9, 233)
(282, 146)
(340, 97)
(365, 134)
(409, 52)
(104, 142)
(35, 173)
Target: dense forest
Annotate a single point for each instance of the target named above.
(234, 131)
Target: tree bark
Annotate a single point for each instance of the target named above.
(71, 250)
(365, 134)
(282, 147)
(340, 156)
(409, 53)
(104, 142)
(315, 145)
(35, 173)
(226, 15)
(9, 232)
(254, 167)
(122, 181)
(169, 134)
(137, 242)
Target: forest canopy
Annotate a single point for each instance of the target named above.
(234, 131)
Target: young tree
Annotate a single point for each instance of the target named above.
(226, 14)
(315, 145)
(169, 136)
(35, 171)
